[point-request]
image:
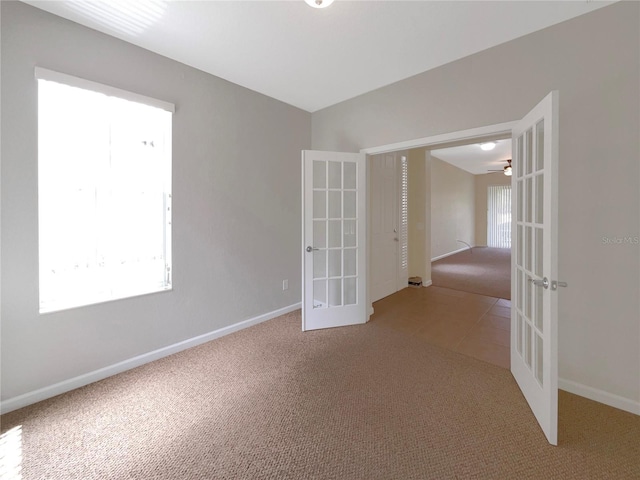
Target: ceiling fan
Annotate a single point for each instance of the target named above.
(506, 170)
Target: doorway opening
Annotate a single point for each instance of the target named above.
(428, 212)
(471, 218)
(420, 250)
(534, 342)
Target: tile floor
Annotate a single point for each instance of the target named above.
(467, 323)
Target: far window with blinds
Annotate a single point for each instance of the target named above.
(499, 216)
(104, 192)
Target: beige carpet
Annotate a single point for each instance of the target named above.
(364, 402)
(481, 270)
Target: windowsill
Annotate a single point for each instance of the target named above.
(70, 306)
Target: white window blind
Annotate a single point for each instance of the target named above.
(499, 216)
(104, 187)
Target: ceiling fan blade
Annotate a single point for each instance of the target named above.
(503, 170)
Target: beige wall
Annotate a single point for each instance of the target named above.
(452, 208)
(236, 205)
(594, 62)
(482, 182)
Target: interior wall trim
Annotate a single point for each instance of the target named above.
(600, 396)
(460, 250)
(459, 137)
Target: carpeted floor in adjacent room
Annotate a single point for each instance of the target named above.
(481, 270)
(272, 402)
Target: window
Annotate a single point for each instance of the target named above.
(499, 216)
(104, 192)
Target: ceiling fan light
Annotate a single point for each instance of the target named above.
(488, 146)
(318, 3)
(507, 170)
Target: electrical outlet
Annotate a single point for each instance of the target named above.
(285, 284)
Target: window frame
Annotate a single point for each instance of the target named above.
(64, 302)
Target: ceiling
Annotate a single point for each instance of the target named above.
(314, 58)
(475, 160)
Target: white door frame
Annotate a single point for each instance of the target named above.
(459, 137)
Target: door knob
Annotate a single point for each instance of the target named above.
(540, 283)
(311, 249)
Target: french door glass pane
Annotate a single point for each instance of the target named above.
(519, 333)
(320, 204)
(520, 186)
(350, 291)
(319, 264)
(335, 204)
(529, 151)
(539, 253)
(349, 233)
(529, 196)
(538, 310)
(349, 175)
(520, 243)
(528, 298)
(527, 344)
(540, 145)
(335, 175)
(519, 153)
(520, 286)
(539, 360)
(320, 234)
(335, 292)
(319, 174)
(350, 259)
(539, 198)
(528, 248)
(335, 263)
(335, 233)
(349, 204)
(319, 294)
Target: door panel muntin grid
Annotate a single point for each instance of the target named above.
(529, 172)
(335, 225)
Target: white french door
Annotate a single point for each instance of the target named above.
(333, 239)
(534, 263)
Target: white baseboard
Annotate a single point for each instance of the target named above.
(87, 378)
(29, 398)
(428, 283)
(449, 254)
(601, 396)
